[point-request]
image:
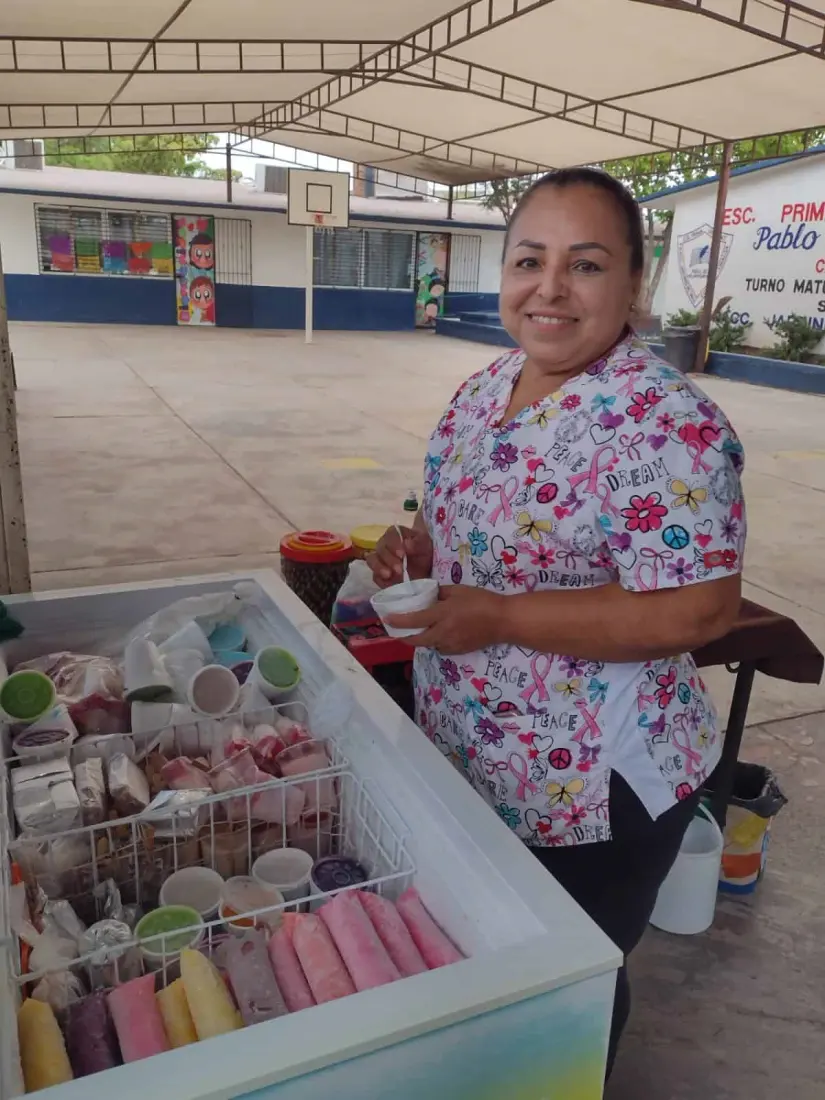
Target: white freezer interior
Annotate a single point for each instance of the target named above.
(521, 932)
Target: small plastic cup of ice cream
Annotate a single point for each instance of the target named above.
(403, 599)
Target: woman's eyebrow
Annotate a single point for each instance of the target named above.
(584, 246)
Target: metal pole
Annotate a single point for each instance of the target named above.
(228, 172)
(308, 292)
(713, 262)
(450, 203)
(14, 548)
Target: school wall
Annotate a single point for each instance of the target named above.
(275, 298)
(773, 258)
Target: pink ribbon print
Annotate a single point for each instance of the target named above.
(699, 464)
(506, 492)
(540, 666)
(693, 760)
(525, 784)
(603, 461)
(591, 726)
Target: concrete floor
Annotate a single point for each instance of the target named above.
(152, 452)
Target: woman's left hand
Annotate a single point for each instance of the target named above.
(465, 619)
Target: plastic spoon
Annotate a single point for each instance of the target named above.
(405, 569)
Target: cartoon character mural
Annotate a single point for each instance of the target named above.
(195, 269)
(431, 277)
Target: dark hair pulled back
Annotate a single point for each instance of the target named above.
(593, 177)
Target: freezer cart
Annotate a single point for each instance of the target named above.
(524, 1016)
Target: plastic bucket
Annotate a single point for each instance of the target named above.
(687, 898)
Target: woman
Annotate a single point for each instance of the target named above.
(584, 516)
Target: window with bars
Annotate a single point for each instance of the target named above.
(465, 260)
(375, 259)
(88, 241)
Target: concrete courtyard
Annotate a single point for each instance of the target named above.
(151, 452)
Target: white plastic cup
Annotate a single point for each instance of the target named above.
(182, 664)
(200, 888)
(190, 636)
(287, 869)
(687, 898)
(214, 691)
(50, 736)
(403, 599)
(144, 673)
(244, 894)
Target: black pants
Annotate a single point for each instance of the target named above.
(616, 882)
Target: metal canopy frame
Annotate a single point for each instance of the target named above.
(492, 115)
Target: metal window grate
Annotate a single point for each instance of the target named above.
(233, 251)
(84, 240)
(377, 259)
(465, 260)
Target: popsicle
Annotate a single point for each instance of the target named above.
(324, 969)
(253, 979)
(393, 933)
(43, 1056)
(137, 1018)
(361, 949)
(177, 1019)
(90, 1036)
(209, 1002)
(435, 948)
(288, 973)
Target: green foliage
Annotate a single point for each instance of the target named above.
(161, 155)
(797, 339)
(683, 318)
(724, 334)
(504, 194)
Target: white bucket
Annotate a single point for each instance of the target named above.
(687, 898)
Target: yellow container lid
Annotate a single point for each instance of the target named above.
(367, 535)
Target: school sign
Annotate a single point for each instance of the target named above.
(772, 259)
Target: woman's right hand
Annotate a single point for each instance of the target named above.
(387, 562)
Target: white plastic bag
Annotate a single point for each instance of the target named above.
(208, 611)
(353, 600)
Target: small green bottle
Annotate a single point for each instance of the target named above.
(410, 505)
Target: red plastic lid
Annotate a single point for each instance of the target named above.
(317, 547)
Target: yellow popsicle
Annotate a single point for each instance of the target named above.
(177, 1019)
(210, 1005)
(42, 1050)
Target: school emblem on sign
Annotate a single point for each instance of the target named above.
(694, 258)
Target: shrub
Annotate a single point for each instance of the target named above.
(797, 339)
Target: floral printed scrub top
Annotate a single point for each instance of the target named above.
(627, 473)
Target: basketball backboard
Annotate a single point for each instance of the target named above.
(318, 198)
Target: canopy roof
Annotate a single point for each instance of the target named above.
(452, 93)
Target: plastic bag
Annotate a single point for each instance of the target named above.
(91, 687)
(208, 611)
(352, 604)
(128, 785)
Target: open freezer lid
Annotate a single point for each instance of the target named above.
(523, 934)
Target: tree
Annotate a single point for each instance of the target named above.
(157, 155)
(504, 194)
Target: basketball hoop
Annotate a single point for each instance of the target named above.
(318, 218)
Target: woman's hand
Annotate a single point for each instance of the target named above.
(387, 563)
(465, 619)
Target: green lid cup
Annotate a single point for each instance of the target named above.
(26, 696)
(275, 671)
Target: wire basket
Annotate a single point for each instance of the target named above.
(353, 826)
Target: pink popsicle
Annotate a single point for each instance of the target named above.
(361, 949)
(393, 933)
(252, 978)
(288, 973)
(324, 969)
(434, 946)
(137, 1019)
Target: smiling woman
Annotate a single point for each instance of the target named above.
(583, 515)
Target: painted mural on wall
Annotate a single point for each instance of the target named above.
(431, 277)
(195, 269)
(693, 251)
(772, 260)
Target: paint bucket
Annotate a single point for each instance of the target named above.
(687, 898)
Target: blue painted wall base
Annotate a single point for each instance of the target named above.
(798, 377)
(111, 300)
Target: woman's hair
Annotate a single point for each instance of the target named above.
(593, 177)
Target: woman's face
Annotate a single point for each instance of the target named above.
(566, 283)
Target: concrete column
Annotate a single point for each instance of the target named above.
(14, 550)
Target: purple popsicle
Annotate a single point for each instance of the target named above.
(90, 1036)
